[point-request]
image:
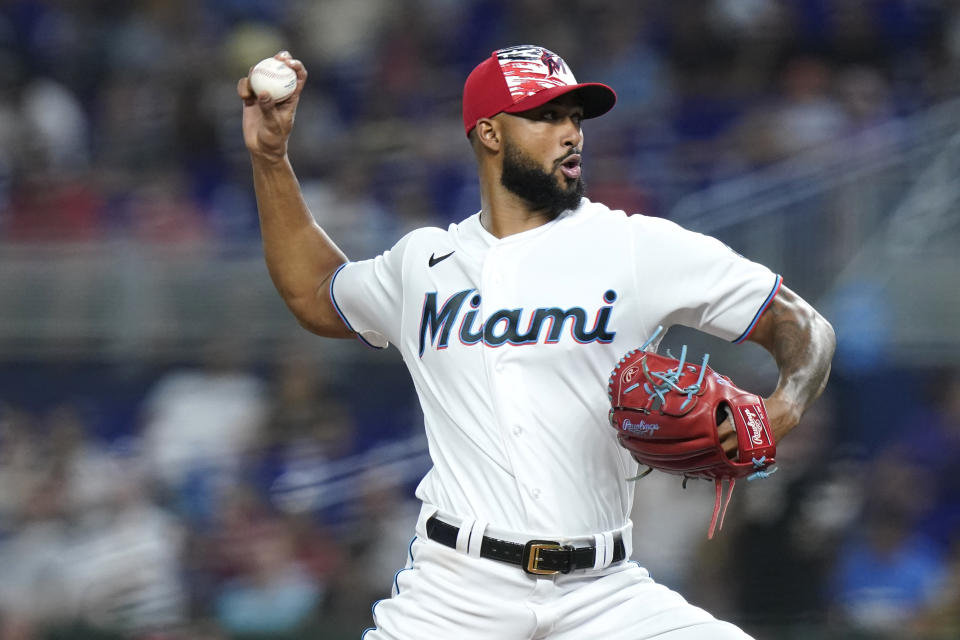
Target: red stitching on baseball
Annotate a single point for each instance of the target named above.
(270, 74)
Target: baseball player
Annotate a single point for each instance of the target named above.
(510, 322)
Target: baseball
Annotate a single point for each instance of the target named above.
(274, 77)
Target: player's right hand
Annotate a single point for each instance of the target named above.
(267, 124)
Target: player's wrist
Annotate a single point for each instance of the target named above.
(269, 159)
(783, 412)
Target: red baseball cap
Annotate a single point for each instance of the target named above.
(520, 78)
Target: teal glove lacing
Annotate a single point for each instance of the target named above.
(669, 380)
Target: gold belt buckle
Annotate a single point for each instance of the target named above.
(531, 556)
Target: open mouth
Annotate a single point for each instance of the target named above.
(570, 167)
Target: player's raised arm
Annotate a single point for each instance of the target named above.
(802, 343)
(300, 256)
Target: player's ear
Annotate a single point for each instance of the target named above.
(488, 134)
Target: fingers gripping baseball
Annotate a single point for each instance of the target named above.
(267, 123)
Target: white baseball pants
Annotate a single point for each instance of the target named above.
(446, 594)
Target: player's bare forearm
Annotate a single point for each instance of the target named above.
(802, 343)
(300, 257)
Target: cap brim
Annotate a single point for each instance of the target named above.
(597, 98)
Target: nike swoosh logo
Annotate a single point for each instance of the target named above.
(433, 261)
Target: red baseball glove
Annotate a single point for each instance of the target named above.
(667, 413)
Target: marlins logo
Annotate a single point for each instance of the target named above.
(552, 62)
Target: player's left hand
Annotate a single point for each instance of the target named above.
(728, 438)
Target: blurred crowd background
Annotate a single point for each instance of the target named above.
(179, 460)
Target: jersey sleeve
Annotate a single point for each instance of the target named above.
(703, 283)
(368, 295)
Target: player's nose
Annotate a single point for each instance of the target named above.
(572, 133)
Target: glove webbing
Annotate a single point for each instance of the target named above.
(670, 378)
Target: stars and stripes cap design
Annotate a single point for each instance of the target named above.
(524, 77)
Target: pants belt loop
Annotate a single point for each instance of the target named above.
(476, 538)
(603, 542)
(600, 557)
(426, 512)
(608, 538)
(626, 534)
(463, 536)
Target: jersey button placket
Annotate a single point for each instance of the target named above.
(507, 386)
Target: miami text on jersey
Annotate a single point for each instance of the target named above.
(503, 326)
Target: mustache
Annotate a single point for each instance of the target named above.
(571, 152)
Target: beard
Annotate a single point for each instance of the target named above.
(523, 177)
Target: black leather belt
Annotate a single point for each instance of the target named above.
(539, 557)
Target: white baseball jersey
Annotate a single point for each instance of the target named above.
(510, 343)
